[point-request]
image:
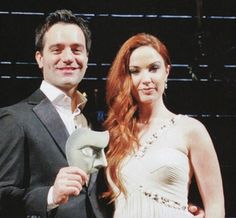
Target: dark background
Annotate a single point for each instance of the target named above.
(200, 35)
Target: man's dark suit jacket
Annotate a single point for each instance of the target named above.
(32, 139)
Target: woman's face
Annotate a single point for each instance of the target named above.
(148, 74)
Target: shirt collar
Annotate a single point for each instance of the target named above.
(58, 97)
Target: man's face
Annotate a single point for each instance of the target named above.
(85, 149)
(64, 56)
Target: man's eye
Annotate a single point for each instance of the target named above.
(56, 50)
(77, 51)
(88, 151)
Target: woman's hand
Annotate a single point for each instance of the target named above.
(196, 211)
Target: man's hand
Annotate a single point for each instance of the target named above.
(69, 181)
(196, 211)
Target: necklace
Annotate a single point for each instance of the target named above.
(150, 140)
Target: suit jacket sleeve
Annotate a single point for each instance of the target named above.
(11, 162)
(14, 171)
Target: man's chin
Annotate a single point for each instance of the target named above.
(68, 84)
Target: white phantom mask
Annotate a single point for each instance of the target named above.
(85, 149)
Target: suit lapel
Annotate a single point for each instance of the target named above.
(92, 181)
(51, 120)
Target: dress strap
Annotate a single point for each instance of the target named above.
(148, 143)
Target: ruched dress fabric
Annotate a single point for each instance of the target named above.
(157, 184)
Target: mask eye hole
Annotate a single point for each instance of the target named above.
(88, 151)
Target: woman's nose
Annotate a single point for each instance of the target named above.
(146, 78)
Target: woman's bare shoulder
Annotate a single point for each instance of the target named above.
(193, 127)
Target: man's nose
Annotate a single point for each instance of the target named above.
(67, 55)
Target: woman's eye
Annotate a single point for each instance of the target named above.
(133, 71)
(154, 68)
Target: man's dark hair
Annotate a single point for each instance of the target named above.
(61, 16)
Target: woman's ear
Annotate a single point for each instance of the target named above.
(168, 69)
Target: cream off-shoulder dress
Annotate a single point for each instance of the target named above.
(156, 179)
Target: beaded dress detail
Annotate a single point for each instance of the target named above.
(156, 180)
(148, 143)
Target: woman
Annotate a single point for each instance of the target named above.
(153, 152)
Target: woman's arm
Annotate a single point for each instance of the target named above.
(206, 170)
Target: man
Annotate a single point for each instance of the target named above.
(35, 180)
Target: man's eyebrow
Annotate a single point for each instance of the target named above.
(77, 45)
(74, 45)
(55, 45)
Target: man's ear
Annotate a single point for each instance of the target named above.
(39, 59)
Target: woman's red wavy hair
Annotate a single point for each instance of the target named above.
(122, 114)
